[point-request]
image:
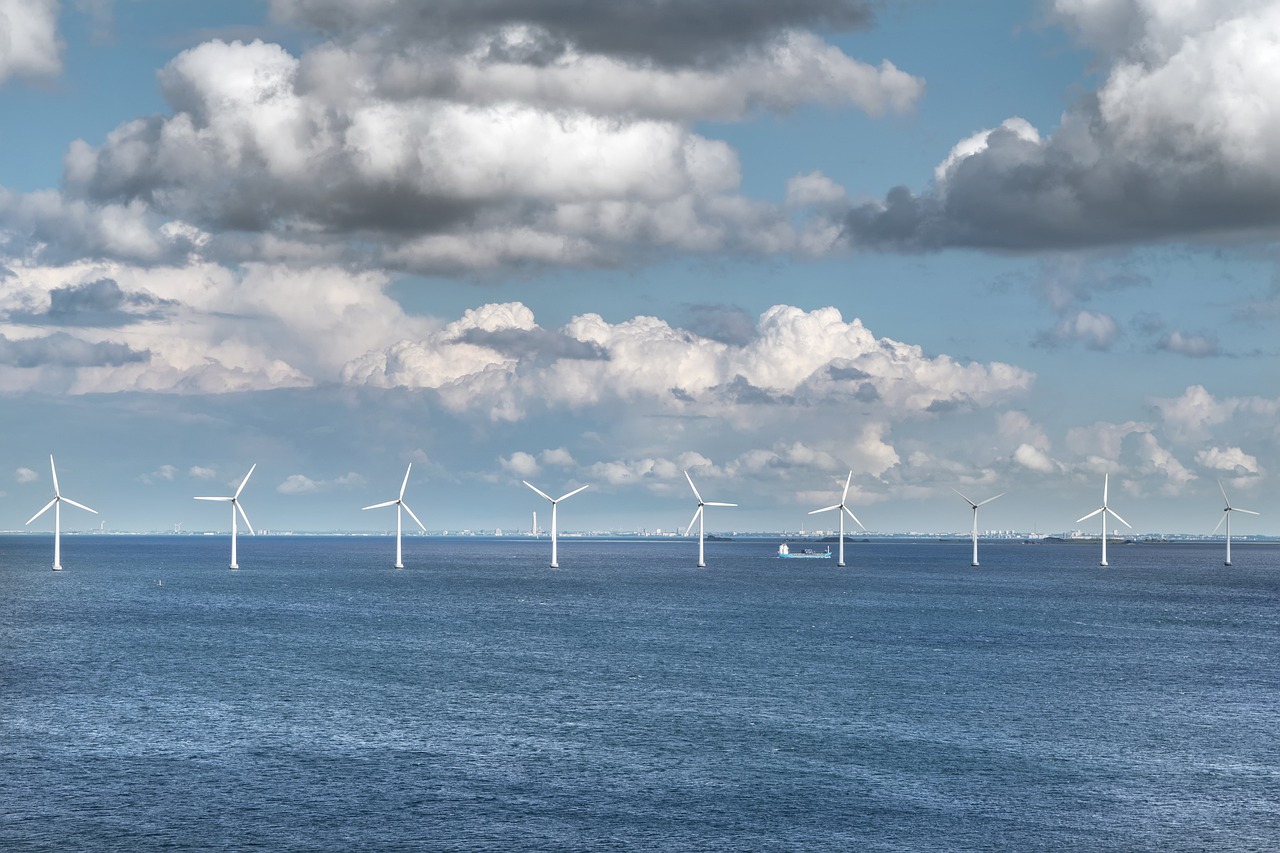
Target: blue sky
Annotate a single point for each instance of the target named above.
(999, 247)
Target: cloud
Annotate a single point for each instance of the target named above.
(1192, 345)
(446, 139)
(1035, 459)
(199, 473)
(1095, 330)
(520, 464)
(1230, 459)
(99, 303)
(164, 473)
(63, 350)
(25, 475)
(805, 358)
(29, 43)
(1179, 141)
(300, 484)
(697, 34)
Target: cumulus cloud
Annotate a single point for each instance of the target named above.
(520, 464)
(797, 357)
(1180, 140)
(25, 475)
(1035, 459)
(1230, 459)
(29, 43)
(164, 473)
(461, 138)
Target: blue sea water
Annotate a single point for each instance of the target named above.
(317, 699)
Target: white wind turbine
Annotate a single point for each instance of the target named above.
(554, 563)
(700, 517)
(235, 506)
(1104, 509)
(56, 503)
(399, 504)
(1226, 516)
(841, 510)
(975, 519)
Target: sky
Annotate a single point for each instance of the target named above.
(1007, 247)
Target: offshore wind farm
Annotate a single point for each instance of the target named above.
(611, 257)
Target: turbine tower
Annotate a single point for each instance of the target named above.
(1104, 509)
(554, 501)
(700, 517)
(235, 506)
(1226, 516)
(975, 519)
(842, 509)
(399, 504)
(56, 503)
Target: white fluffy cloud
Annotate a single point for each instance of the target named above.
(25, 475)
(1229, 459)
(29, 44)
(475, 148)
(489, 359)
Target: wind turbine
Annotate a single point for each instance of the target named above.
(700, 517)
(1226, 516)
(399, 504)
(1104, 509)
(975, 519)
(842, 509)
(235, 506)
(56, 503)
(554, 501)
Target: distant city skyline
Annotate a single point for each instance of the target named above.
(1013, 247)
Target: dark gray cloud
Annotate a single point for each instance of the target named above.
(1178, 143)
(534, 346)
(95, 303)
(63, 350)
(667, 32)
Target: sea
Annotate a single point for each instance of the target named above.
(477, 700)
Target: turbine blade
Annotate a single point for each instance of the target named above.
(826, 509)
(215, 499)
(855, 518)
(405, 484)
(1119, 519)
(236, 504)
(571, 494)
(1105, 478)
(245, 480)
(414, 517)
(847, 480)
(688, 530)
(82, 506)
(692, 486)
(381, 505)
(54, 469)
(1090, 515)
(717, 503)
(1224, 493)
(989, 500)
(1249, 511)
(43, 511)
(1219, 524)
(536, 489)
(966, 499)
